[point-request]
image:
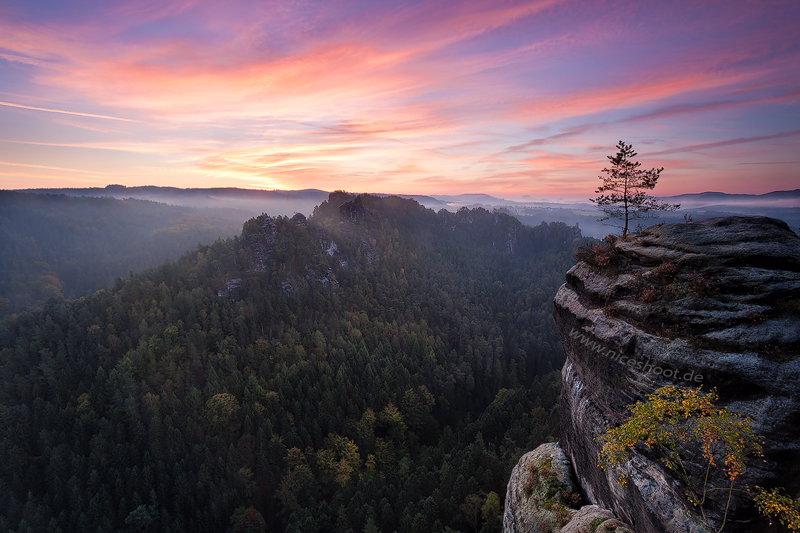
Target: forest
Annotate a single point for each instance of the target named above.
(376, 367)
(58, 245)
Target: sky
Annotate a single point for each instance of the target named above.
(408, 97)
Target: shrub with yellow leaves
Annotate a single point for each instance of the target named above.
(776, 505)
(675, 421)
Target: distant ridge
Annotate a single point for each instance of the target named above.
(155, 190)
(249, 202)
(241, 204)
(474, 199)
(785, 198)
(427, 201)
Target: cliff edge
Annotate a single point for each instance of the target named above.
(714, 303)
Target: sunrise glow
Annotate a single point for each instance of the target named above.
(427, 97)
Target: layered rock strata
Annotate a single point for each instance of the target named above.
(713, 303)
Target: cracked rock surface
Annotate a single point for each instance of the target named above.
(713, 303)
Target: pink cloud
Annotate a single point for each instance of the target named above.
(478, 94)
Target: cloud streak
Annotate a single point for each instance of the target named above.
(47, 167)
(727, 142)
(440, 96)
(89, 115)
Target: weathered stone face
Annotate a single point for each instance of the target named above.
(713, 303)
(527, 490)
(542, 496)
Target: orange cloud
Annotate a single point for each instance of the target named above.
(434, 95)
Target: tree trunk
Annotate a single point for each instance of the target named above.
(625, 229)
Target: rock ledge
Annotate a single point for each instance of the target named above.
(713, 303)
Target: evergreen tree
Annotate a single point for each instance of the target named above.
(623, 194)
(273, 382)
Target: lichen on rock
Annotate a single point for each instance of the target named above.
(542, 495)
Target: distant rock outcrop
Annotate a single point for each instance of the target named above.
(300, 220)
(713, 303)
(352, 210)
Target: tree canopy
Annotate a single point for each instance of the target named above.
(57, 245)
(623, 194)
(375, 367)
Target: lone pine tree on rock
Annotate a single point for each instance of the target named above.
(623, 193)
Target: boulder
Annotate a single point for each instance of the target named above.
(542, 495)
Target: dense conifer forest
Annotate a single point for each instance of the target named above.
(377, 367)
(57, 245)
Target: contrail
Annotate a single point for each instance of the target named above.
(47, 168)
(91, 115)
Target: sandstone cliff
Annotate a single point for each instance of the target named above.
(713, 303)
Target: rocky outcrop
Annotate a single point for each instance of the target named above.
(713, 303)
(542, 495)
(352, 210)
(300, 220)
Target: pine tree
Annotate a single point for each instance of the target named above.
(625, 185)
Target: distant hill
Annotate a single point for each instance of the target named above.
(242, 204)
(770, 199)
(474, 199)
(783, 205)
(59, 245)
(249, 202)
(428, 201)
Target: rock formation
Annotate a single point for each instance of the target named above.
(542, 495)
(352, 210)
(713, 303)
(300, 220)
